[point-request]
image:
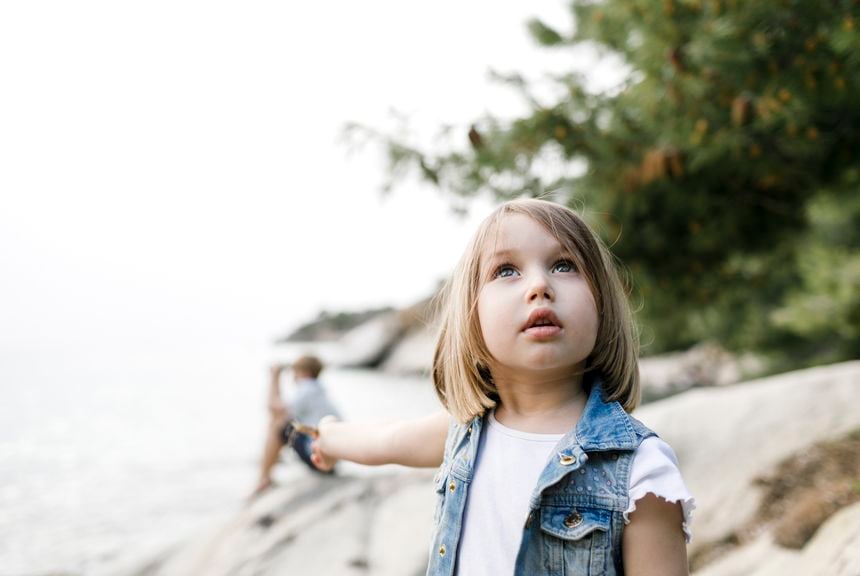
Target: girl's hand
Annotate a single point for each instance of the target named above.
(319, 458)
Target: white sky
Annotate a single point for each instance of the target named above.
(172, 169)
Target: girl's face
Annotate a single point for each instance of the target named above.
(536, 311)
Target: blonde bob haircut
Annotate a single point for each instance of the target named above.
(461, 364)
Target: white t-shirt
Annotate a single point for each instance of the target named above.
(507, 468)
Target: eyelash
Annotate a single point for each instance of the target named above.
(498, 271)
(566, 261)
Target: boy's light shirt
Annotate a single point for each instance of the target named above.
(308, 402)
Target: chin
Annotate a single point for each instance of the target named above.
(561, 361)
(551, 363)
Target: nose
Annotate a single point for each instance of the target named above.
(539, 288)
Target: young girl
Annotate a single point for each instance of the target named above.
(543, 471)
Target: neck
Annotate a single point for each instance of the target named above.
(542, 403)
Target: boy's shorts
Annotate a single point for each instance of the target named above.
(301, 445)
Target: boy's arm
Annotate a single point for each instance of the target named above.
(418, 443)
(276, 405)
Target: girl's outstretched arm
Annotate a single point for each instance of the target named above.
(418, 443)
(653, 543)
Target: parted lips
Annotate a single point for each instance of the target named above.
(542, 317)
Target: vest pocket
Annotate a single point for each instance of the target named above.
(578, 538)
(574, 523)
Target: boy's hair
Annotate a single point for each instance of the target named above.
(308, 364)
(461, 363)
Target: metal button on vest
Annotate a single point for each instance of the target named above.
(566, 459)
(452, 486)
(573, 520)
(442, 550)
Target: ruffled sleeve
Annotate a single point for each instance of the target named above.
(655, 470)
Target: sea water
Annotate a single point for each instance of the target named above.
(111, 457)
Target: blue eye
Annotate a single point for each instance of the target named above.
(504, 271)
(563, 266)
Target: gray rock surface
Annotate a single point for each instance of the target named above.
(342, 525)
(833, 551)
(727, 437)
(701, 366)
(413, 353)
(724, 438)
(369, 343)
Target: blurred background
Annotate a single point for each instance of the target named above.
(190, 191)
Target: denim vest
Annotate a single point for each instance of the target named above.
(575, 515)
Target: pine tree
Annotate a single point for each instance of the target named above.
(703, 168)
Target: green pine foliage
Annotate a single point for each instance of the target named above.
(723, 170)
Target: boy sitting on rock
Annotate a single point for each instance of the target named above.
(307, 403)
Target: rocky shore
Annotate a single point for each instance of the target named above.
(340, 525)
(728, 439)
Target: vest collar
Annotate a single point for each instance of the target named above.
(602, 426)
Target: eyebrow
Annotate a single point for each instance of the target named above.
(505, 253)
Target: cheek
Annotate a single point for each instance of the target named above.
(486, 321)
(592, 321)
(486, 309)
(494, 323)
(585, 310)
